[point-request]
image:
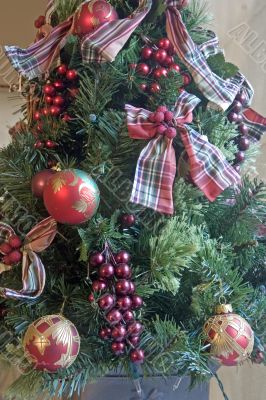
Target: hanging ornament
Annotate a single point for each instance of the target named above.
(93, 14)
(230, 336)
(51, 343)
(71, 197)
(39, 181)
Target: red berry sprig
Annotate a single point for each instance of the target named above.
(164, 120)
(115, 294)
(10, 250)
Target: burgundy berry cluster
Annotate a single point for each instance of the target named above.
(10, 250)
(165, 122)
(235, 116)
(115, 294)
(157, 62)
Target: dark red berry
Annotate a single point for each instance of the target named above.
(164, 43)
(122, 287)
(243, 129)
(137, 356)
(123, 271)
(237, 107)
(137, 302)
(118, 348)
(240, 157)
(124, 303)
(96, 259)
(106, 271)
(243, 143)
(91, 298)
(135, 328)
(15, 242)
(62, 69)
(15, 256)
(105, 333)
(119, 333)
(98, 286)
(128, 316)
(71, 74)
(134, 341)
(114, 317)
(128, 220)
(146, 53)
(105, 302)
(122, 257)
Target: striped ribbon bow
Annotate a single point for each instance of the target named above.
(156, 166)
(33, 272)
(101, 45)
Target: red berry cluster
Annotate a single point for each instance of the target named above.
(10, 251)
(58, 95)
(235, 116)
(157, 62)
(40, 21)
(116, 296)
(165, 122)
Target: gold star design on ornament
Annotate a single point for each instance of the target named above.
(41, 343)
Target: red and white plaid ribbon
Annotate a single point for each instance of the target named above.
(156, 167)
(33, 271)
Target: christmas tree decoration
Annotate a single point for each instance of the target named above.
(51, 343)
(230, 336)
(91, 15)
(71, 197)
(40, 180)
(128, 220)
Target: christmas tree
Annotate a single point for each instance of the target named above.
(132, 228)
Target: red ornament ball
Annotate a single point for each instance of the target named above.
(96, 259)
(244, 143)
(137, 302)
(135, 328)
(71, 197)
(15, 242)
(5, 249)
(128, 316)
(155, 88)
(122, 287)
(160, 56)
(137, 356)
(164, 43)
(230, 336)
(186, 79)
(71, 74)
(175, 67)
(62, 69)
(38, 145)
(124, 303)
(146, 53)
(59, 101)
(118, 348)
(106, 271)
(59, 85)
(40, 180)
(51, 343)
(55, 111)
(128, 220)
(99, 286)
(105, 333)
(37, 116)
(93, 14)
(15, 257)
(105, 302)
(119, 333)
(48, 99)
(91, 298)
(114, 317)
(143, 69)
(49, 90)
(159, 72)
(123, 271)
(122, 257)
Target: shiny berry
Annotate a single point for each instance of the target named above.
(128, 220)
(66, 118)
(186, 79)
(48, 99)
(146, 53)
(59, 85)
(91, 298)
(137, 356)
(5, 249)
(175, 67)
(243, 144)
(143, 87)
(15, 242)
(55, 111)
(114, 317)
(46, 111)
(132, 288)
(106, 271)
(119, 333)
(96, 259)
(15, 256)
(233, 117)
(169, 61)
(168, 116)
(118, 348)
(62, 69)
(237, 107)
(124, 303)
(160, 72)
(240, 157)
(39, 22)
(134, 341)
(133, 66)
(160, 56)
(122, 257)
(105, 302)
(123, 271)
(170, 133)
(128, 316)
(105, 333)
(158, 116)
(122, 287)
(137, 302)
(39, 144)
(239, 119)
(162, 109)
(49, 89)
(135, 328)
(71, 74)
(49, 144)
(161, 129)
(243, 129)
(59, 101)
(155, 88)
(143, 69)
(164, 43)
(241, 98)
(37, 116)
(98, 286)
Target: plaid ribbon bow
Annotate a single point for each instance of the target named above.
(101, 45)
(156, 166)
(33, 272)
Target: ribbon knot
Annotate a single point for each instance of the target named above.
(33, 271)
(156, 166)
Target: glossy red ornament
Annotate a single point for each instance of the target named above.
(99, 286)
(159, 72)
(122, 257)
(37, 116)
(137, 302)
(146, 53)
(175, 67)
(59, 85)
(48, 99)
(91, 298)
(243, 129)
(137, 356)
(143, 87)
(5, 248)
(171, 132)
(55, 111)
(50, 144)
(15, 242)
(119, 333)
(164, 43)
(241, 98)
(169, 61)
(122, 287)
(93, 14)
(71, 74)
(39, 181)
(237, 106)
(62, 69)
(239, 119)
(132, 288)
(158, 116)
(49, 89)
(51, 343)
(118, 348)
(244, 143)
(134, 341)
(160, 56)
(155, 88)
(39, 144)
(124, 303)
(233, 117)
(105, 333)
(128, 316)
(135, 328)
(106, 271)
(71, 197)
(128, 220)
(105, 302)
(15, 257)
(114, 317)
(58, 101)
(123, 271)
(143, 69)
(96, 259)
(186, 79)
(240, 157)
(161, 129)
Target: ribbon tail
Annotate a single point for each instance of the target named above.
(208, 167)
(41, 236)
(256, 124)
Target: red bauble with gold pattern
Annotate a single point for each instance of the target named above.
(51, 343)
(230, 336)
(71, 197)
(93, 14)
